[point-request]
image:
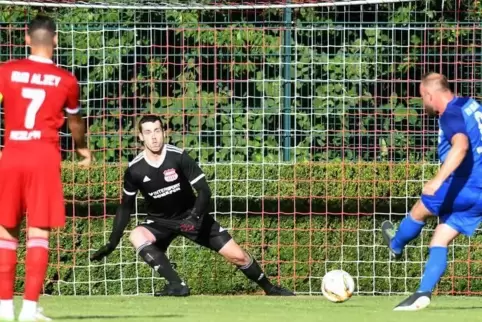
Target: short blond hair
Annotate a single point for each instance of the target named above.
(436, 81)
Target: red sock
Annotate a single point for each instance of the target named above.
(8, 262)
(36, 266)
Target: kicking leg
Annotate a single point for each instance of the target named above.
(410, 228)
(434, 269)
(36, 264)
(8, 262)
(144, 242)
(250, 267)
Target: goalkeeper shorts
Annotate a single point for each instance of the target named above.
(210, 234)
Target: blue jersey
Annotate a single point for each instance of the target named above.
(463, 115)
(458, 201)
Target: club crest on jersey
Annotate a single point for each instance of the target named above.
(170, 175)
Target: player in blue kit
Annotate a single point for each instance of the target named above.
(454, 194)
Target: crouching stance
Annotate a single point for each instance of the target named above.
(166, 176)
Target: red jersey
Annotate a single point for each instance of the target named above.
(35, 93)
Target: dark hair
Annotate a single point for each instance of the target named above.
(149, 118)
(42, 22)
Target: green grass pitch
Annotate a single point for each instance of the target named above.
(254, 308)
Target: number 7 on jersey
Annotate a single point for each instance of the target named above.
(36, 97)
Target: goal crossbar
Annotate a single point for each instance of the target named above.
(193, 6)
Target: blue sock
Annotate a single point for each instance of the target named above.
(409, 230)
(434, 269)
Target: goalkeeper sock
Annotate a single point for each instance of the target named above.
(409, 230)
(36, 263)
(8, 262)
(153, 256)
(434, 269)
(254, 272)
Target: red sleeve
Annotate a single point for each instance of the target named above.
(72, 105)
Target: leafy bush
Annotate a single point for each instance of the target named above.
(338, 98)
(297, 220)
(315, 187)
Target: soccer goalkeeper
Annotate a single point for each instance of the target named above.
(454, 194)
(166, 176)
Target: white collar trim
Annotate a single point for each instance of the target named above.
(40, 59)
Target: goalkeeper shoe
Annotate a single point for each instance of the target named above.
(388, 232)
(276, 290)
(174, 289)
(35, 316)
(416, 301)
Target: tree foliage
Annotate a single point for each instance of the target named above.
(220, 77)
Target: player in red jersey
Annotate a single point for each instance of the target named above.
(35, 93)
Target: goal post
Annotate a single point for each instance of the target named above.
(304, 115)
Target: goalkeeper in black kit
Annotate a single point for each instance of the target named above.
(166, 175)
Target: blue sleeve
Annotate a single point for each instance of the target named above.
(452, 122)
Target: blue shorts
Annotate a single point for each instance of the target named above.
(458, 204)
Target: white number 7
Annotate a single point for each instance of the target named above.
(36, 97)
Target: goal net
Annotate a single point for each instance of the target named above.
(304, 115)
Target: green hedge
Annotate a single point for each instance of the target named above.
(294, 249)
(291, 249)
(307, 187)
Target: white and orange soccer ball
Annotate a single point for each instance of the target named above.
(337, 286)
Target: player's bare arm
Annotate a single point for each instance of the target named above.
(77, 128)
(76, 123)
(460, 146)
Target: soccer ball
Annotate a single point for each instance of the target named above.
(337, 286)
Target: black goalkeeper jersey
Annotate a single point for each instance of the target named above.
(166, 186)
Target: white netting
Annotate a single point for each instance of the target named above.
(304, 193)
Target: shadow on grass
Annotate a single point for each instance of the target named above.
(453, 308)
(114, 317)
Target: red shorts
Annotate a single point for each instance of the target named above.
(31, 183)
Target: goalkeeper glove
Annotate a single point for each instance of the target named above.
(104, 251)
(192, 222)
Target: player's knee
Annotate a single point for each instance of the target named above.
(238, 258)
(140, 235)
(235, 254)
(34, 232)
(443, 235)
(242, 259)
(419, 211)
(9, 233)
